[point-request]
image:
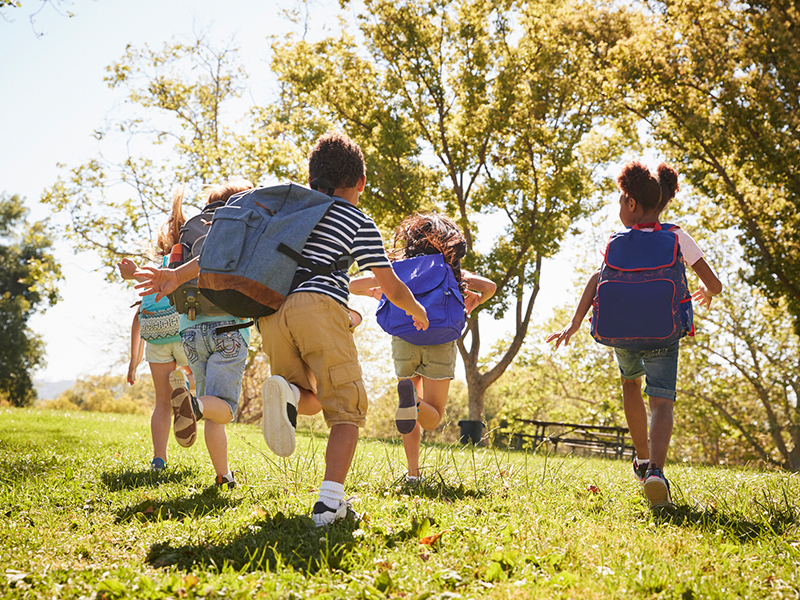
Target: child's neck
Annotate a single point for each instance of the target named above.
(650, 217)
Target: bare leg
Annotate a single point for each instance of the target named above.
(636, 415)
(432, 396)
(340, 451)
(661, 419)
(217, 444)
(161, 419)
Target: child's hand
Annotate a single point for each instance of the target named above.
(564, 335)
(156, 281)
(126, 268)
(132, 373)
(471, 300)
(420, 317)
(702, 296)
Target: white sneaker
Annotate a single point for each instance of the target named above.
(324, 515)
(279, 415)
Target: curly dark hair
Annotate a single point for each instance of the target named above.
(637, 182)
(668, 178)
(431, 233)
(337, 160)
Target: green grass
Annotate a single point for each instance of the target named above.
(82, 517)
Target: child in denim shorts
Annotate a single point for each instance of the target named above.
(644, 195)
(425, 372)
(216, 347)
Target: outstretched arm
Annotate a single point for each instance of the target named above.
(710, 285)
(165, 281)
(366, 286)
(479, 290)
(584, 304)
(398, 294)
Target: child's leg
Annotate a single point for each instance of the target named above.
(661, 420)
(340, 451)
(217, 444)
(161, 419)
(636, 415)
(432, 396)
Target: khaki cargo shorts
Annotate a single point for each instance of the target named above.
(309, 342)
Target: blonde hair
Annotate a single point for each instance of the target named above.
(217, 192)
(169, 233)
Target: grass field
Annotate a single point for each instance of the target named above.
(82, 517)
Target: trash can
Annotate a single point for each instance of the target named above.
(471, 432)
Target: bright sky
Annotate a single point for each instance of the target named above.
(53, 97)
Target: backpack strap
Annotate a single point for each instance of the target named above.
(227, 328)
(342, 263)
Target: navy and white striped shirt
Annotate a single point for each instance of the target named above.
(343, 230)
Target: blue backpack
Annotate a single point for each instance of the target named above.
(642, 300)
(254, 245)
(433, 284)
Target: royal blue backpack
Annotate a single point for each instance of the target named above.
(433, 284)
(642, 300)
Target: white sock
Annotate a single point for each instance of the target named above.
(331, 494)
(643, 461)
(200, 406)
(296, 391)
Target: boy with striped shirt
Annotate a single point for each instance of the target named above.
(309, 340)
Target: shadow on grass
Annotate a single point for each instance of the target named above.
(210, 500)
(435, 487)
(266, 544)
(775, 522)
(128, 479)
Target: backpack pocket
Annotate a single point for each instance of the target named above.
(233, 224)
(634, 310)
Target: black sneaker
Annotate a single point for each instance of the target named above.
(656, 488)
(323, 515)
(228, 480)
(405, 418)
(639, 470)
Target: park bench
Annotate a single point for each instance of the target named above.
(606, 440)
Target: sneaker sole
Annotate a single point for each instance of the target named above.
(405, 418)
(275, 425)
(184, 423)
(657, 493)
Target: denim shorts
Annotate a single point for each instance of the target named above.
(659, 367)
(217, 361)
(432, 362)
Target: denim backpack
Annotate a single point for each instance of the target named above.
(255, 243)
(642, 300)
(188, 299)
(433, 284)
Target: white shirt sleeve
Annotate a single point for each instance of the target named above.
(689, 248)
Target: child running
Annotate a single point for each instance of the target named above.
(643, 197)
(309, 340)
(425, 372)
(163, 350)
(216, 347)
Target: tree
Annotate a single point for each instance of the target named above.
(718, 82)
(181, 130)
(28, 277)
(480, 109)
(747, 371)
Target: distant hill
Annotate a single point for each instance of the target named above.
(49, 390)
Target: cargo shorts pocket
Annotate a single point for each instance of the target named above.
(351, 395)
